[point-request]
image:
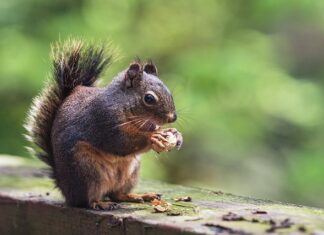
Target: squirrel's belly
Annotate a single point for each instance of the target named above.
(116, 173)
(121, 173)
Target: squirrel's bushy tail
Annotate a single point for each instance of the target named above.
(74, 63)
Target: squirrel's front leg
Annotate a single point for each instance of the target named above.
(166, 139)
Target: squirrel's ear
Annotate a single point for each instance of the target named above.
(133, 74)
(150, 68)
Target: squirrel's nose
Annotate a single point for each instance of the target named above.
(171, 117)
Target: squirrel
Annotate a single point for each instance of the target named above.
(91, 137)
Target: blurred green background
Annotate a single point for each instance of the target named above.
(247, 76)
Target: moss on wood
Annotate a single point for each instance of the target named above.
(33, 202)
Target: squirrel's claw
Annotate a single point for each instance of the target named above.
(158, 147)
(166, 139)
(148, 197)
(103, 205)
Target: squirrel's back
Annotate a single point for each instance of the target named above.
(74, 64)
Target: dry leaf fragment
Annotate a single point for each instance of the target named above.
(161, 206)
(230, 216)
(259, 212)
(183, 199)
(254, 220)
(302, 229)
(280, 225)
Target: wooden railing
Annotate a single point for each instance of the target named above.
(29, 204)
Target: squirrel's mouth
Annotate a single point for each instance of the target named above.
(145, 124)
(151, 125)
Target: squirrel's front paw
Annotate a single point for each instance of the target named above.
(166, 139)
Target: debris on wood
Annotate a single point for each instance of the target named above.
(218, 192)
(286, 223)
(140, 218)
(254, 220)
(183, 199)
(161, 206)
(230, 216)
(196, 209)
(272, 222)
(173, 213)
(221, 229)
(159, 209)
(259, 212)
(302, 229)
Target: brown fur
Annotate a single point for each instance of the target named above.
(73, 64)
(116, 174)
(135, 197)
(92, 137)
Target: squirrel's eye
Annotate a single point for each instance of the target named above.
(150, 98)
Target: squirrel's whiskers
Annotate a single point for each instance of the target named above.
(128, 122)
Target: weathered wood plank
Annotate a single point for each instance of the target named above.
(29, 204)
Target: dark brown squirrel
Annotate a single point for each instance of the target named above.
(92, 137)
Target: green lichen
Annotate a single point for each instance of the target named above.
(207, 207)
(27, 183)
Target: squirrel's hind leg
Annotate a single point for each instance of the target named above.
(89, 182)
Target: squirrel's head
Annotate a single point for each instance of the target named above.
(151, 102)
